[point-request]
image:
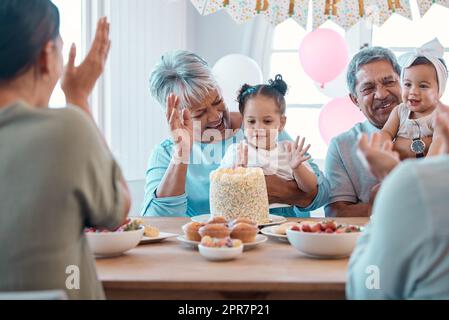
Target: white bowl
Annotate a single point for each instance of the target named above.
(220, 254)
(323, 245)
(112, 244)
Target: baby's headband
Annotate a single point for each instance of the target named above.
(432, 51)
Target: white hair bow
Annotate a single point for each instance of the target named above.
(432, 51)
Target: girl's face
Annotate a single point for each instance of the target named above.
(420, 88)
(263, 122)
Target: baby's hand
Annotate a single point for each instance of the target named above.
(297, 153)
(242, 155)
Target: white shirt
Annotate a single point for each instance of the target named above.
(272, 162)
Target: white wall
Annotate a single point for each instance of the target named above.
(141, 31)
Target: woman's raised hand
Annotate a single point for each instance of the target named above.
(79, 82)
(181, 129)
(298, 153)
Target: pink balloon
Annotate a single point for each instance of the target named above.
(324, 55)
(338, 116)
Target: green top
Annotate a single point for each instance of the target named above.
(404, 251)
(57, 178)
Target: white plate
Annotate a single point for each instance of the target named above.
(162, 236)
(246, 246)
(279, 205)
(271, 232)
(259, 240)
(274, 219)
(188, 243)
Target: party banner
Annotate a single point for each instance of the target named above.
(244, 10)
(345, 13)
(424, 5)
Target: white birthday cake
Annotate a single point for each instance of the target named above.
(239, 193)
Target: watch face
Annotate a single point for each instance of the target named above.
(418, 146)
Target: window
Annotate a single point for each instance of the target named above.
(304, 100)
(71, 32)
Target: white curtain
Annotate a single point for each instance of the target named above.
(142, 30)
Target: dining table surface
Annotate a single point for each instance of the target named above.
(171, 270)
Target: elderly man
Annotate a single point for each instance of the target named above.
(374, 82)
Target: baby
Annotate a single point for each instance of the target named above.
(263, 109)
(423, 77)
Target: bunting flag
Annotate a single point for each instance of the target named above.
(424, 5)
(345, 13)
(276, 11)
(378, 11)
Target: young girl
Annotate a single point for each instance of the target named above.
(424, 77)
(263, 110)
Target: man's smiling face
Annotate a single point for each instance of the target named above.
(378, 91)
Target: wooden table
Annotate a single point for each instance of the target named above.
(170, 270)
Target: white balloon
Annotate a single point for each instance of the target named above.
(232, 72)
(336, 88)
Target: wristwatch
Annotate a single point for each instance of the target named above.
(418, 146)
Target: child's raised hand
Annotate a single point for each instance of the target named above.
(242, 155)
(298, 154)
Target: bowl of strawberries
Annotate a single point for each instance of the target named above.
(324, 239)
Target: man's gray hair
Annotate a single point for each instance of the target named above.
(366, 56)
(185, 74)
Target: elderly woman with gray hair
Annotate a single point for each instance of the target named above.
(202, 128)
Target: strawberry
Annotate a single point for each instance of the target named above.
(295, 228)
(316, 228)
(306, 228)
(329, 224)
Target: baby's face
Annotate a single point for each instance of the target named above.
(263, 122)
(420, 88)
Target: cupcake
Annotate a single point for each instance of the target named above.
(245, 232)
(191, 230)
(242, 220)
(217, 220)
(215, 230)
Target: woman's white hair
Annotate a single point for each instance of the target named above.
(186, 75)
